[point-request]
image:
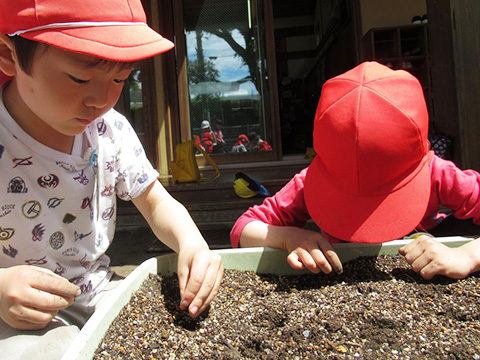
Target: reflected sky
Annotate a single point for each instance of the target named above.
(230, 67)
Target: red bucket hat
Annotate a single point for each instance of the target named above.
(242, 139)
(370, 180)
(114, 30)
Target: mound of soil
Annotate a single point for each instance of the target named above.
(377, 309)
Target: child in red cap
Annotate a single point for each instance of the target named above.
(374, 179)
(241, 144)
(65, 155)
(206, 137)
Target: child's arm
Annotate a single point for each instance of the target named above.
(429, 257)
(30, 297)
(199, 270)
(307, 249)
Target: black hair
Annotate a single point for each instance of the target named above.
(25, 50)
(252, 136)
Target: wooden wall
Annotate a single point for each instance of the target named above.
(454, 26)
(386, 13)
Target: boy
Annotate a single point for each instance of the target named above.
(374, 179)
(206, 137)
(65, 154)
(255, 143)
(241, 144)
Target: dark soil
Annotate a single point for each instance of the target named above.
(377, 309)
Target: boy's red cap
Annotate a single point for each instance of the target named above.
(370, 181)
(242, 139)
(114, 30)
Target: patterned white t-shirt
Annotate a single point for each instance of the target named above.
(58, 210)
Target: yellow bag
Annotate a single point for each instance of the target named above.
(185, 168)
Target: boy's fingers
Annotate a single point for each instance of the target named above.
(37, 318)
(428, 271)
(188, 292)
(316, 257)
(306, 257)
(420, 243)
(46, 302)
(52, 283)
(202, 274)
(332, 256)
(412, 253)
(419, 263)
(294, 261)
(214, 291)
(207, 292)
(182, 281)
(321, 261)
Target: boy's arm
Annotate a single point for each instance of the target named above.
(306, 249)
(430, 257)
(199, 269)
(30, 296)
(285, 208)
(279, 222)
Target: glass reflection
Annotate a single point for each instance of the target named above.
(225, 76)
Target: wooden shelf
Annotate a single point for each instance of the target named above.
(402, 47)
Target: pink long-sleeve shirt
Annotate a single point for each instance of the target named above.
(452, 188)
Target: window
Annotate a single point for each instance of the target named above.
(226, 76)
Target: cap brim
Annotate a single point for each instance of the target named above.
(363, 219)
(125, 43)
(262, 190)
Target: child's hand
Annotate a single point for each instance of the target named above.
(429, 257)
(200, 272)
(30, 296)
(306, 248)
(311, 250)
(199, 269)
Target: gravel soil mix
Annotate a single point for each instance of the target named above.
(377, 309)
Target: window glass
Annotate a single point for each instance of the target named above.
(130, 103)
(225, 76)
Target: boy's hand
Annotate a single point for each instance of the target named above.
(306, 248)
(429, 257)
(200, 272)
(199, 269)
(312, 251)
(30, 296)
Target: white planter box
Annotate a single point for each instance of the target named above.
(259, 260)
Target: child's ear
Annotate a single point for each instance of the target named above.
(7, 62)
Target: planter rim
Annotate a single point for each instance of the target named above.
(261, 260)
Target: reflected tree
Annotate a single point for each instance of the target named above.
(202, 70)
(247, 52)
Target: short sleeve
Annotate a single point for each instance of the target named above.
(126, 158)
